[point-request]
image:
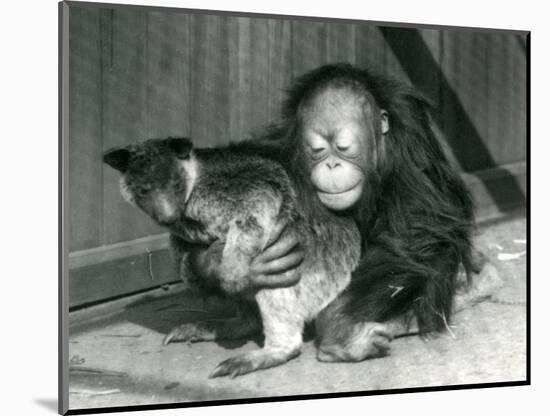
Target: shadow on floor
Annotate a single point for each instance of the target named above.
(49, 404)
(163, 314)
(163, 390)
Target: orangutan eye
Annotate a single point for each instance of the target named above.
(317, 149)
(342, 148)
(316, 145)
(317, 153)
(346, 144)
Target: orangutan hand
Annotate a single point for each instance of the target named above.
(275, 267)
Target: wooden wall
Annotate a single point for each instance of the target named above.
(137, 75)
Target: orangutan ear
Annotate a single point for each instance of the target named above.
(384, 121)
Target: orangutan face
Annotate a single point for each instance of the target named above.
(337, 126)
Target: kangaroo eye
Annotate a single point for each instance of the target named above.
(144, 190)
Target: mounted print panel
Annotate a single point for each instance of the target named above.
(272, 207)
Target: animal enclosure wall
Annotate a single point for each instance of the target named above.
(136, 74)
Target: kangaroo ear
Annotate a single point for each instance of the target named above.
(117, 159)
(180, 146)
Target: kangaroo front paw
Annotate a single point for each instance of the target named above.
(254, 360)
(233, 367)
(189, 333)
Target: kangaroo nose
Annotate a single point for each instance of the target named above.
(166, 210)
(166, 220)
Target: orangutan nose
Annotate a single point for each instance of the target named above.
(332, 163)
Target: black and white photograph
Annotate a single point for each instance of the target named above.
(274, 207)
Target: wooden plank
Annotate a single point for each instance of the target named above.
(117, 251)
(464, 99)
(168, 75)
(431, 86)
(85, 184)
(249, 55)
(124, 114)
(259, 74)
(432, 73)
(239, 75)
(491, 191)
(256, 72)
(210, 122)
(370, 47)
(507, 84)
(279, 65)
(392, 65)
(122, 276)
(412, 56)
(309, 46)
(341, 42)
(81, 319)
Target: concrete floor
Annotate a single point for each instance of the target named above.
(119, 360)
